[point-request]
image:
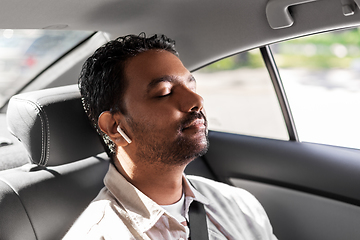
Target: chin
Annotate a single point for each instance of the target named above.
(187, 149)
(201, 146)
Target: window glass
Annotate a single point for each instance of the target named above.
(25, 53)
(239, 97)
(321, 77)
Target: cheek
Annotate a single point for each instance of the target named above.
(155, 111)
(163, 120)
(160, 120)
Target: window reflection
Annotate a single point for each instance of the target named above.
(321, 77)
(25, 53)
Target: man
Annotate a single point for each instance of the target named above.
(143, 102)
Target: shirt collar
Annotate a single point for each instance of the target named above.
(141, 209)
(190, 191)
(191, 194)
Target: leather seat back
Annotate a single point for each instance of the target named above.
(41, 200)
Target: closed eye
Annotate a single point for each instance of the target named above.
(164, 95)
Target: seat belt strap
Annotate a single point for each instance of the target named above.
(197, 221)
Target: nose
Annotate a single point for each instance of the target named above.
(191, 101)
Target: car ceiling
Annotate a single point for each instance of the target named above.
(205, 30)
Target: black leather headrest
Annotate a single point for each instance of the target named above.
(53, 126)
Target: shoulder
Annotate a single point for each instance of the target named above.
(229, 199)
(236, 208)
(97, 219)
(208, 186)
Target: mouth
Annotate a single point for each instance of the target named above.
(196, 122)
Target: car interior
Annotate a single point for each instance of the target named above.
(54, 163)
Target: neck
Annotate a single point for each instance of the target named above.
(160, 182)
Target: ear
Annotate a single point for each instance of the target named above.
(108, 123)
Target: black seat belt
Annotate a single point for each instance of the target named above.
(197, 222)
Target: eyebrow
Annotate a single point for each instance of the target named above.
(167, 78)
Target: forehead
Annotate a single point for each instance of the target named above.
(143, 68)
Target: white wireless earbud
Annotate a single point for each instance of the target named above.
(123, 134)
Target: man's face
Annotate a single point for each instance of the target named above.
(165, 117)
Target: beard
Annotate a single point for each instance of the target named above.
(155, 149)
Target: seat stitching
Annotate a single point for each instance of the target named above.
(45, 135)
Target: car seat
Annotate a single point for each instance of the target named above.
(42, 199)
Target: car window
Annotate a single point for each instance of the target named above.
(240, 98)
(321, 77)
(25, 53)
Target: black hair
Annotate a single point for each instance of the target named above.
(102, 81)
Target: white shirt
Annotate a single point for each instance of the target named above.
(121, 211)
(178, 211)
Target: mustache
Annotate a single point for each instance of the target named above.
(192, 117)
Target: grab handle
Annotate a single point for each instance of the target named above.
(278, 14)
